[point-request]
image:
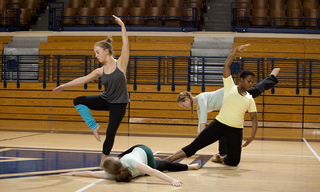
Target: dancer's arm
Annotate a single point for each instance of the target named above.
(124, 57)
(80, 81)
(266, 84)
(254, 119)
(226, 68)
(153, 172)
(95, 174)
(202, 126)
(202, 113)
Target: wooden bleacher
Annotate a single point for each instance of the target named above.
(282, 115)
(160, 46)
(4, 39)
(279, 47)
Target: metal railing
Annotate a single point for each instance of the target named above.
(160, 70)
(25, 68)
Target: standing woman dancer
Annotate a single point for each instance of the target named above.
(210, 101)
(136, 161)
(115, 96)
(229, 121)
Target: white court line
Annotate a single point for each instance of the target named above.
(315, 154)
(90, 185)
(274, 155)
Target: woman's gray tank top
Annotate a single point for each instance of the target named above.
(115, 87)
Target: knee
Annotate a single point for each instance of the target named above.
(79, 100)
(232, 161)
(189, 151)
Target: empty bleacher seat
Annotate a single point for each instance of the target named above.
(17, 4)
(67, 13)
(125, 3)
(159, 3)
(139, 14)
(33, 5)
(102, 11)
(76, 3)
(173, 17)
(260, 9)
(121, 12)
(109, 3)
(25, 16)
(157, 12)
(92, 3)
(175, 3)
(294, 9)
(277, 9)
(245, 5)
(310, 4)
(311, 13)
(3, 4)
(84, 13)
(142, 3)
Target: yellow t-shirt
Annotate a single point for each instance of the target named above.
(234, 105)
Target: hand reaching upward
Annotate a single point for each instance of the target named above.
(118, 20)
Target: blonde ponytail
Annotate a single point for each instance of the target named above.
(106, 44)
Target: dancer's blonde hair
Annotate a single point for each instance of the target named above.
(181, 97)
(106, 44)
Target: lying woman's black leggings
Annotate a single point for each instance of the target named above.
(161, 165)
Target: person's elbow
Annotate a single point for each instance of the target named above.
(254, 116)
(150, 172)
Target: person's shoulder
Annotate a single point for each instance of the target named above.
(249, 96)
(227, 78)
(201, 98)
(98, 70)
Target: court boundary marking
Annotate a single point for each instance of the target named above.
(35, 134)
(94, 183)
(311, 149)
(88, 186)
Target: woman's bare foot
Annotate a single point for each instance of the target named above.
(95, 132)
(194, 166)
(275, 71)
(217, 158)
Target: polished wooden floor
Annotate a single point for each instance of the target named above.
(265, 165)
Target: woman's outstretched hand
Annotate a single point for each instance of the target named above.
(118, 20)
(176, 183)
(242, 48)
(58, 89)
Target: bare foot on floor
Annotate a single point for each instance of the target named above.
(275, 71)
(95, 132)
(217, 158)
(194, 166)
